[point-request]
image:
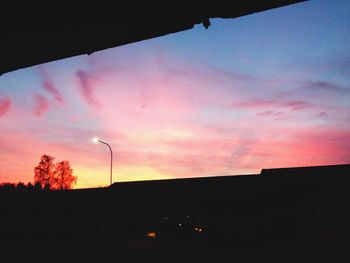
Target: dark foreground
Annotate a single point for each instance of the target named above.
(281, 215)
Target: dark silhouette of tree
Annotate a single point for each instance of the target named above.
(8, 186)
(55, 176)
(43, 172)
(37, 186)
(20, 186)
(63, 176)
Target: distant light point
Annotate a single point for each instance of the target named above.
(151, 234)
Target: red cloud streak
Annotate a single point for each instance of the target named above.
(5, 105)
(42, 105)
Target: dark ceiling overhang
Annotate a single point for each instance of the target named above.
(35, 36)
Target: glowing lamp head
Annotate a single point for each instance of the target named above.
(95, 140)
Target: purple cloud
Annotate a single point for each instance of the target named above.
(271, 113)
(41, 105)
(340, 64)
(86, 88)
(5, 104)
(296, 105)
(50, 87)
(325, 86)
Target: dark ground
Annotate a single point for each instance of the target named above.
(281, 215)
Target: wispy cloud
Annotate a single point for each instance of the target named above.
(273, 103)
(322, 114)
(41, 105)
(342, 64)
(5, 105)
(270, 113)
(86, 88)
(324, 86)
(50, 86)
(296, 104)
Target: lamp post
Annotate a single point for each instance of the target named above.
(96, 140)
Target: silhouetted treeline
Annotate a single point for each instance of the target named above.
(22, 186)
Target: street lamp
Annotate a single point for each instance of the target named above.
(97, 140)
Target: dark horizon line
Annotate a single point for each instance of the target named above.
(217, 176)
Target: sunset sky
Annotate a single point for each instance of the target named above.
(271, 89)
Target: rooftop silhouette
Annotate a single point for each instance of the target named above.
(58, 39)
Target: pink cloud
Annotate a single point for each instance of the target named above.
(5, 105)
(41, 105)
(209, 153)
(86, 88)
(148, 102)
(308, 146)
(15, 157)
(302, 146)
(158, 100)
